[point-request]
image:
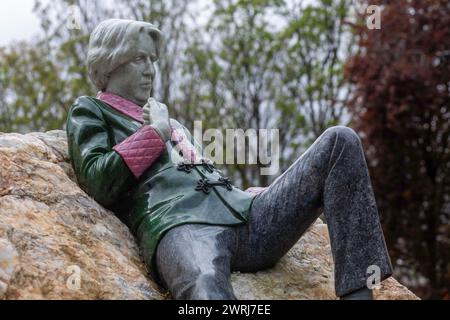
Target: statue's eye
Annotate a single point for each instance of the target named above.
(139, 58)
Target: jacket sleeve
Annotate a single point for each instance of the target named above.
(103, 170)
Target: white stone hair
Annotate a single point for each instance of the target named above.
(111, 45)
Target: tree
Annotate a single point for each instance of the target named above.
(31, 95)
(272, 64)
(253, 64)
(400, 103)
(317, 40)
(62, 52)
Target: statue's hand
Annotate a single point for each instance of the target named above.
(157, 115)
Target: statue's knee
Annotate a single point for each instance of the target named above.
(345, 133)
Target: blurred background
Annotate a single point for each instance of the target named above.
(300, 66)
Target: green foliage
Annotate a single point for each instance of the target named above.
(273, 64)
(32, 93)
(251, 64)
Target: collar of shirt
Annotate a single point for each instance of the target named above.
(122, 105)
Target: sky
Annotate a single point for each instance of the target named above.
(17, 21)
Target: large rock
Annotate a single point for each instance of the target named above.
(58, 243)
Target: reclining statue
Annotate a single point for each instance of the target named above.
(193, 226)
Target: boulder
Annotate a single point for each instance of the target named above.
(58, 243)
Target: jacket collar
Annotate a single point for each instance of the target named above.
(122, 105)
(129, 108)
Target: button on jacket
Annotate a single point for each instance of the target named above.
(126, 167)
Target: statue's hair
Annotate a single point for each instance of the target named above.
(110, 46)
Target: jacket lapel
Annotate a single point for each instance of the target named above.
(122, 105)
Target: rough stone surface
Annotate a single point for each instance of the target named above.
(58, 243)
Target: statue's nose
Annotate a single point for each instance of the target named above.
(149, 69)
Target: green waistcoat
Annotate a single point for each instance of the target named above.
(163, 197)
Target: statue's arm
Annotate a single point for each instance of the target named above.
(105, 171)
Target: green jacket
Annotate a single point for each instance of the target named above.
(166, 194)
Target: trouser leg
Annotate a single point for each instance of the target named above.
(331, 175)
(193, 262)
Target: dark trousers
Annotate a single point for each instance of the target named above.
(195, 261)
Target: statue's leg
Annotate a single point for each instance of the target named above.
(331, 175)
(193, 262)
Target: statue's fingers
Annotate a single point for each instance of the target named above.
(152, 101)
(162, 106)
(154, 107)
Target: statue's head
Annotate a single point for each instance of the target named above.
(120, 58)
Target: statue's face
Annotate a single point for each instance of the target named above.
(134, 80)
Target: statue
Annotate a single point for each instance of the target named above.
(193, 226)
